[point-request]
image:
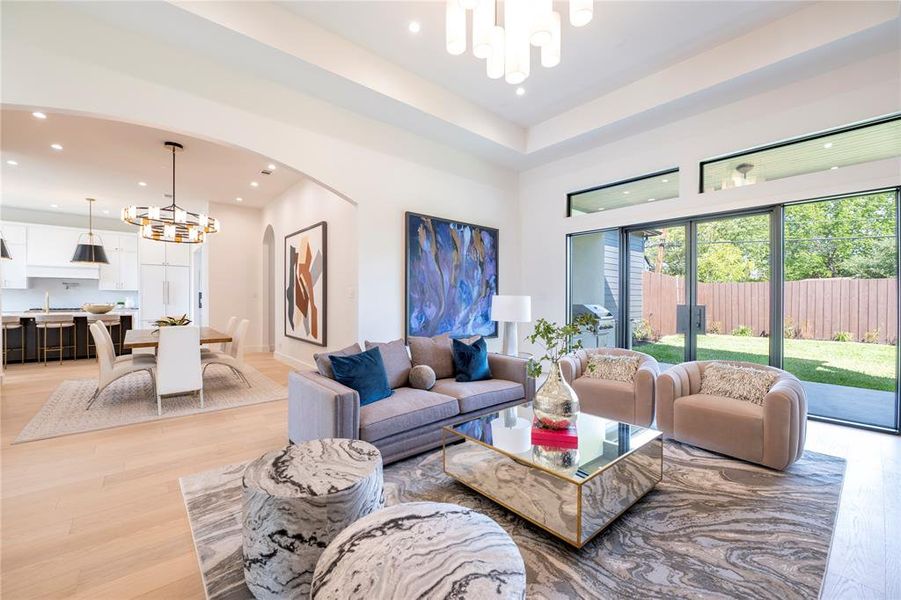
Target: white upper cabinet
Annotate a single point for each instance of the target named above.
(50, 246)
(154, 252)
(122, 271)
(12, 271)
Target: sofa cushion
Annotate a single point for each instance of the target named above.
(363, 372)
(422, 377)
(396, 359)
(724, 425)
(406, 409)
(471, 360)
(741, 383)
(613, 367)
(606, 398)
(324, 363)
(435, 352)
(476, 395)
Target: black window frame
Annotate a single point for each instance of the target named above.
(596, 188)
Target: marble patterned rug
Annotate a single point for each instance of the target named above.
(130, 400)
(713, 528)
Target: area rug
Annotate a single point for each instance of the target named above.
(713, 528)
(130, 400)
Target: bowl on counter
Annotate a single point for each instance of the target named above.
(98, 309)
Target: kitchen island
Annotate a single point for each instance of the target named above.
(32, 342)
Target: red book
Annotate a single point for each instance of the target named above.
(557, 438)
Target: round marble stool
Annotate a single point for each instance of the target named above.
(421, 550)
(296, 500)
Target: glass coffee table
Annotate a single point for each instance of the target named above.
(573, 493)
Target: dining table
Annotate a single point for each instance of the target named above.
(149, 338)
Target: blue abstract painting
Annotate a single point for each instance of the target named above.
(451, 277)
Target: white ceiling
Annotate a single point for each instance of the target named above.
(106, 160)
(625, 41)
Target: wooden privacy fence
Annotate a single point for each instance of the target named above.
(814, 308)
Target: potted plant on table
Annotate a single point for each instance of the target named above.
(556, 405)
(171, 322)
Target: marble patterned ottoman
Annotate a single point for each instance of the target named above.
(421, 550)
(296, 500)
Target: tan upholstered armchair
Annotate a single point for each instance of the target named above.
(771, 435)
(627, 402)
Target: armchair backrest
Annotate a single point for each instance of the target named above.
(178, 360)
(582, 357)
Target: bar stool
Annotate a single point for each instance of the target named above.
(12, 324)
(60, 323)
(110, 322)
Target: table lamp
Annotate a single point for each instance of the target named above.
(511, 310)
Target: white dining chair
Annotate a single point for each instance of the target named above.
(134, 357)
(113, 367)
(234, 358)
(229, 331)
(178, 363)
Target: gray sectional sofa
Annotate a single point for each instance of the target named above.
(410, 420)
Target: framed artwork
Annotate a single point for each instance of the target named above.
(305, 284)
(451, 275)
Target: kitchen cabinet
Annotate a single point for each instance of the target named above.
(49, 251)
(154, 252)
(12, 271)
(122, 271)
(165, 292)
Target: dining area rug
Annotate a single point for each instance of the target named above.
(714, 527)
(131, 400)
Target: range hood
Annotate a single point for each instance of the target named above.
(59, 272)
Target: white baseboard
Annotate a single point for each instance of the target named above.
(292, 362)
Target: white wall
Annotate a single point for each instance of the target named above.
(862, 90)
(305, 204)
(233, 269)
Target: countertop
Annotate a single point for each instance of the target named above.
(30, 314)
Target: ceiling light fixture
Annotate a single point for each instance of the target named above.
(626, 192)
(651, 199)
(90, 251)
(832, 168)
(54, 206)
(171, 223)
(56, 147)
(254, 184)
(38, 115)
(270, 166)
(142, 183)
(12, 163)
(239, 199)
(827, 145)
(414, 27)
(507, 49)
(665, 180)
(520, 91)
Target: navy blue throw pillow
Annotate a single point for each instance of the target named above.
(471, 361)
(365, 373)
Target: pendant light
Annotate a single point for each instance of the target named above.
(171, 223)
(4, 251)
(90, 249)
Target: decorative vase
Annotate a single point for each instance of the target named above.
(556, 405)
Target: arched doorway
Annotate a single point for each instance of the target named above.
(269, 288)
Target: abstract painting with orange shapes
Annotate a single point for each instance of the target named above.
(305, 284)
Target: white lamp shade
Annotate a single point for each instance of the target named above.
(455, 25)
(511, 309)
(495, 63)
(580, 12)
(482, 23)
(550, 52)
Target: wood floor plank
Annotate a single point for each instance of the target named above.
(100, 514)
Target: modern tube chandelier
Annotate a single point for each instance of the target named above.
(171, 223)
(507, 49)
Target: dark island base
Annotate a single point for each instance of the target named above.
(34, 337)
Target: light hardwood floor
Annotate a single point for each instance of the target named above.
(100, 515)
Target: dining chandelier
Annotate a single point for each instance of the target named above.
(171, 223)
(507, 49)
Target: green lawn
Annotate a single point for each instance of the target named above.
(841, 363)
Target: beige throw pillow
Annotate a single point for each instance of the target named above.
(612, 367)
(435, 352)
(739, 383)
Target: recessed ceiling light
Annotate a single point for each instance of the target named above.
(254, 184)
(651, 199)
(142, 183)
(12, 162)
(832, 168)
(414, 27)
(106, 211)
(665, 180)
(270, 166)
(38, 115)
(56, 147)
(626, 192)
(520, 91)
(239, 199)
(827, 145)
(54, 206)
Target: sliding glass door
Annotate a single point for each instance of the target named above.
(840, 302)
